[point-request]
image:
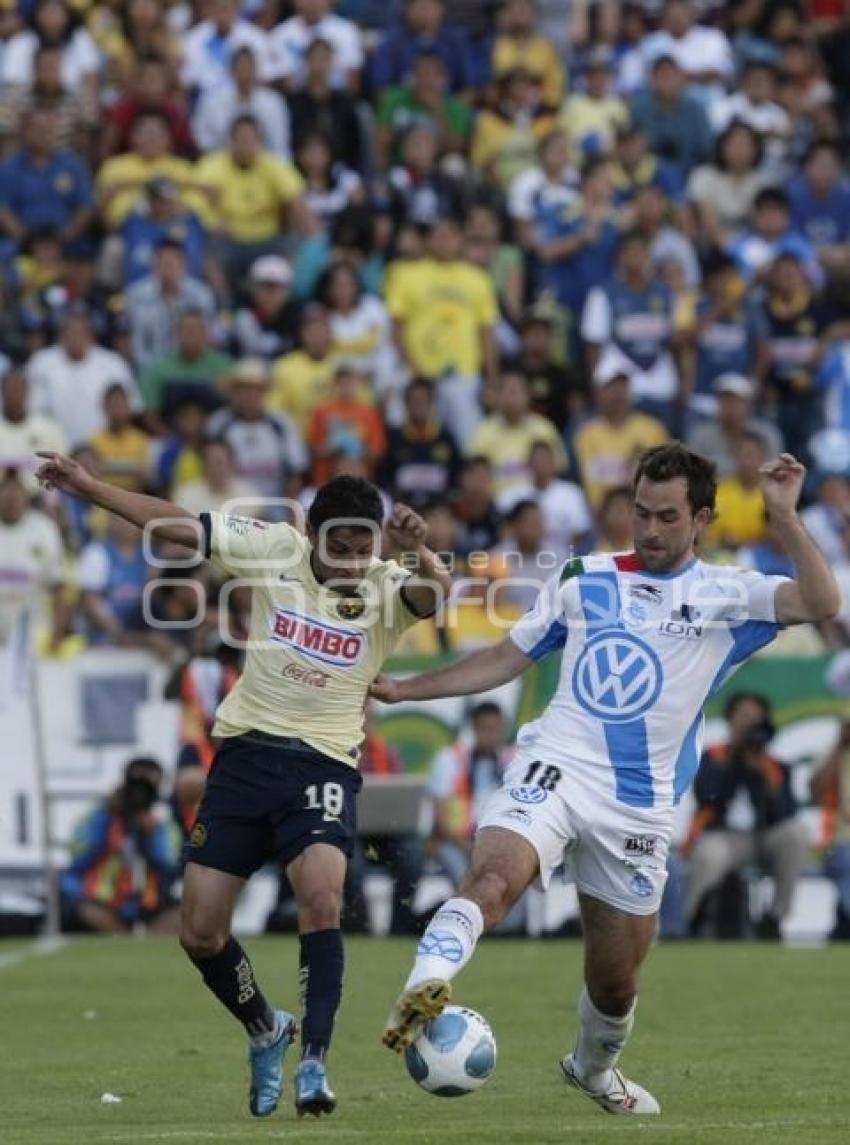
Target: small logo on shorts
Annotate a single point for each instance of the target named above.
(640, 845)
(641, 885)
(528, 793)
(198, 836)
(518, 813)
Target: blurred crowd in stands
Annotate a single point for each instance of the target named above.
(482, 253)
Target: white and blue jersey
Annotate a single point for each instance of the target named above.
(641, 654)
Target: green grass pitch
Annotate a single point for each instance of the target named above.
(739, 1043)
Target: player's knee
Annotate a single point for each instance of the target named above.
(320, 909)
(492, 891)
(200, 943)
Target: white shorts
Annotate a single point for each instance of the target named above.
(612, 852)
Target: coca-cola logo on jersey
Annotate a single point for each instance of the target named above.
(312, 677)
(342, 647)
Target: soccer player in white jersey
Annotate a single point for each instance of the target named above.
(645, 638)
(326, 612)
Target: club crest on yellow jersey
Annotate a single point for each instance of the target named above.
(350, 607)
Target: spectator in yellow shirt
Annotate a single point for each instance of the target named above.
(518, 45)
(739, 517)
(444, 313)
(122, 179)
(506, 139)
(303, 379)
(124, 452)
(612, 439)
(593, 117)
(506, 437)
(256, 195)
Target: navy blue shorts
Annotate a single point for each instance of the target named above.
(269, 797)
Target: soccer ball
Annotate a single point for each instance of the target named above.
(454, 1054)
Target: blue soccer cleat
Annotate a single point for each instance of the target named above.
(312, 1092)
(267, 1068)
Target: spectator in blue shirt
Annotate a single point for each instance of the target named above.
(635, 167)
(770, 235)
(422, 30)
(577, 245)
(675, 122)
(161, 216)
(723, 334)
(631, 321)
(820, 206)
(768, 556)
(833, 381)
(44, 189)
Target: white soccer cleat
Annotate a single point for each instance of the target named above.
(413, 1008)
(622, 1096)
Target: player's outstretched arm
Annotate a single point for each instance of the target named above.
(431, 584)
(172, 522)
(814, 595)
(478, 672)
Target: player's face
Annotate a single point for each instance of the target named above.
(342, 554)
(665, 528)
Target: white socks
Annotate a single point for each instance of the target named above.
(600, 1042)
(448, 942)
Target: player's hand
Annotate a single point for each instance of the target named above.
(781, 484)
(385, 689)
(60, 472)
(405, 528)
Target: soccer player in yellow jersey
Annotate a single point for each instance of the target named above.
(326, 613)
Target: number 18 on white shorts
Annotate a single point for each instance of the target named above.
(613, 852)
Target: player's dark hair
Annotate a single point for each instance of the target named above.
(667, 462)
(486, 708)
(738, 698)
(346, 498)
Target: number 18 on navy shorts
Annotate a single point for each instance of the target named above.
(269, 797)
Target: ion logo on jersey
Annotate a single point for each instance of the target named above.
(341, 647)
(528, 793)
(617, 677)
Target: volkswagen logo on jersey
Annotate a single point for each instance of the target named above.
(528, 793)
(341, 647)
(617, 676)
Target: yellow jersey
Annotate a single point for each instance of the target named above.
(537, 55)
(739, 515)
(299, 384)
(443, 306)
(122, 179)
(249, 201)
(312, 652)
(607, 454)
(125, 457)
(508, 447)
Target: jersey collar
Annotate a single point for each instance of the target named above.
(630, 562)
